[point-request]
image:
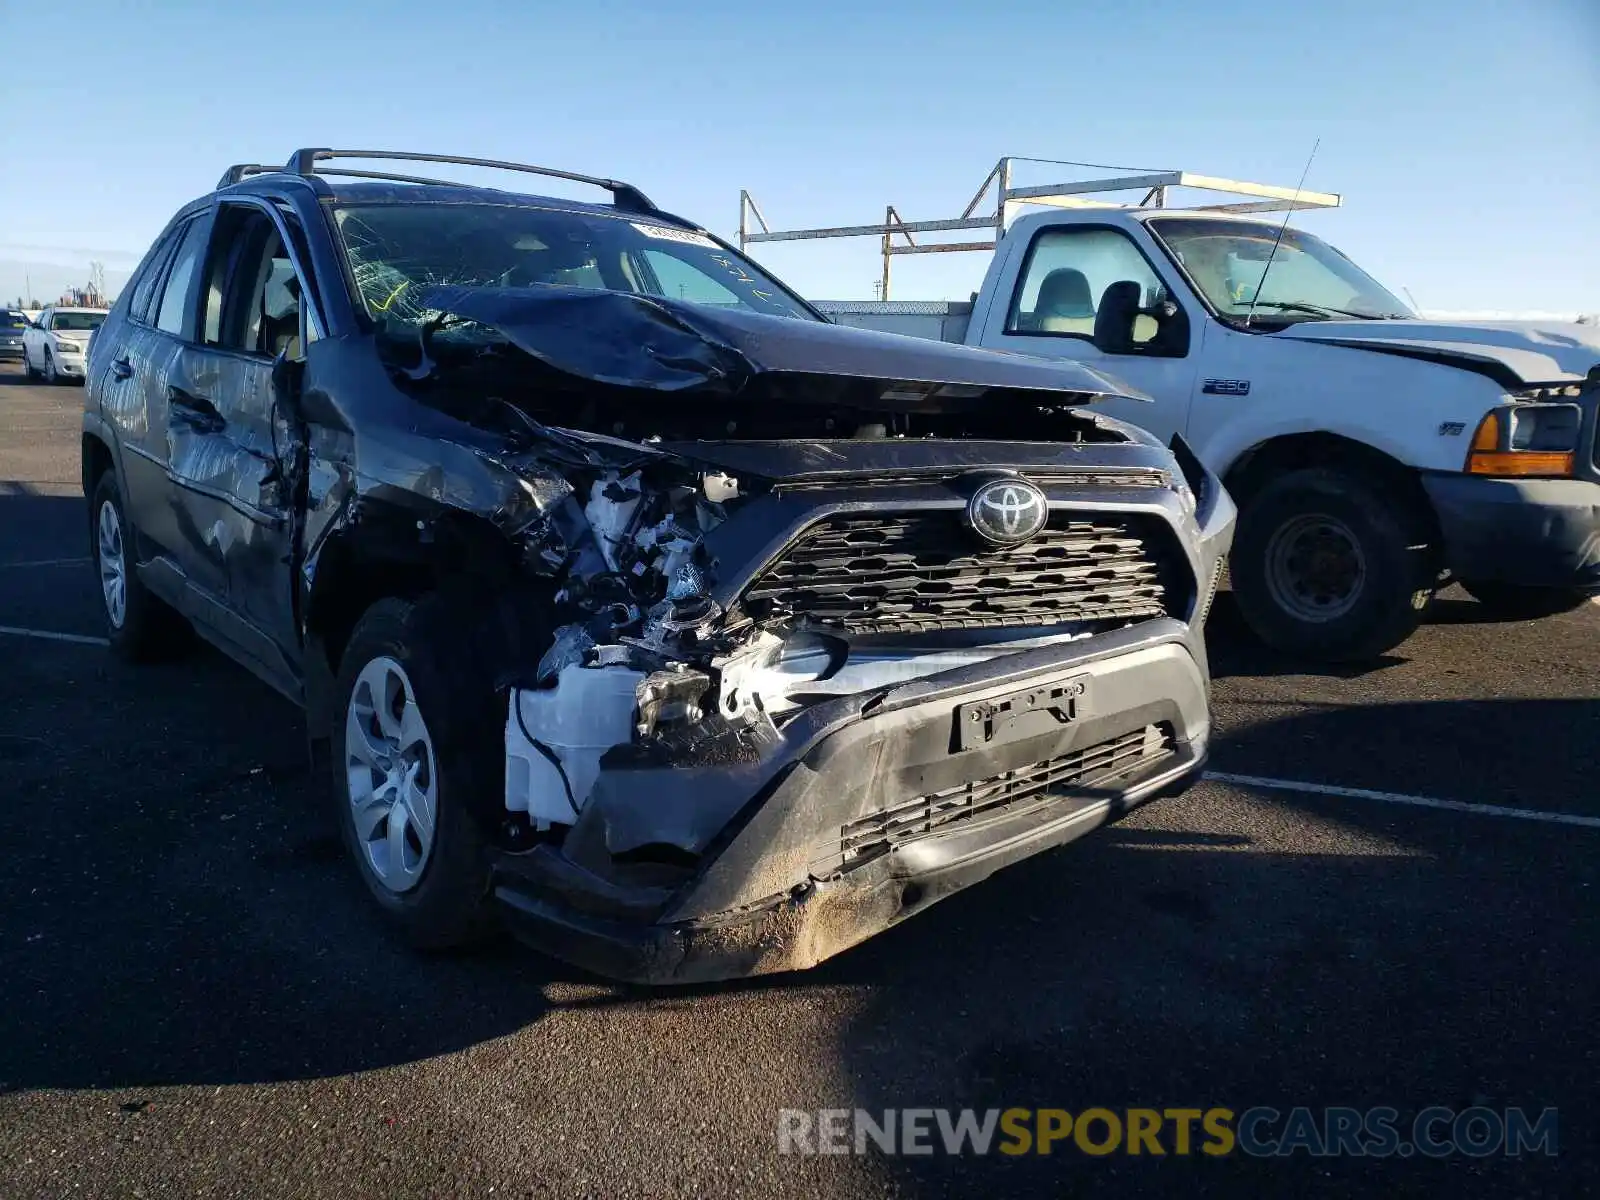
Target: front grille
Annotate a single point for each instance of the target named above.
(918, 572)
(1094, 767)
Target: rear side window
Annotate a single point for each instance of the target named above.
(155, 263)
(175, 297)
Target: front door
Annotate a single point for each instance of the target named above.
(1075, 277)
(227, 435)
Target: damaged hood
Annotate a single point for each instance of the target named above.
(665, 345)
(1515, 352)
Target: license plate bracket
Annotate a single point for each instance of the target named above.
(1025, 714)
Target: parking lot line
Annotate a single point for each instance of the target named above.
(1482, 810)
(51, 636)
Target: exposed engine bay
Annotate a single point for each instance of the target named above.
(649, 653)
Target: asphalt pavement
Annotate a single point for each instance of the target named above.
(1397, 908)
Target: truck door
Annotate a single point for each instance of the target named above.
(1087, 292)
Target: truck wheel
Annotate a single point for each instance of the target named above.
(1513, 602)
(139, 624)
(404, 765)
(1327, 565)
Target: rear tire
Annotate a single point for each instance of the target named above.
(406, 762)
(141, 627)
(27, 367)
(1514, 602)
(1330, 565)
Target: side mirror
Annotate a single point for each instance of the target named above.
(288, 374)
(1113, 320)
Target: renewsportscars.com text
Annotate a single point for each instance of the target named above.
(1434, 1132)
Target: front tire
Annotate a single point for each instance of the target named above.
(1330, 565)
(50, 376)
(1513, 602)
(404, 769)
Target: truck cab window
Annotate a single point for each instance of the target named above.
(1070, 276)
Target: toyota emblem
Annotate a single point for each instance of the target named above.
(1007, 511)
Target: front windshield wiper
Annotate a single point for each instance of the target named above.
(1324, 310)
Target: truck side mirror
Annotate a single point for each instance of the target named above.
(1113, 319)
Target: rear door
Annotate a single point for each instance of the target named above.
(133, 395)
(1072, 276)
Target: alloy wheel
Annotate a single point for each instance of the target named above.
(113, 564)
(391, 774)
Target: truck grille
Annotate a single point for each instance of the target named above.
(1094, 767)
(925, 571)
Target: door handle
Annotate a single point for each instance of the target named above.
(122, 368)
(195, 410)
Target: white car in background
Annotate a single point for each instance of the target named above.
(56, 345)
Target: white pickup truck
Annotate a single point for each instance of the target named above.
(1373, 454)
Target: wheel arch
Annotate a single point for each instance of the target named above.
(97, 459)
(1251, 470)
(381, 550)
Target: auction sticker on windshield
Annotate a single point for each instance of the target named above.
(688, 237)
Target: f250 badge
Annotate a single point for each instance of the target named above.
(1226, 387)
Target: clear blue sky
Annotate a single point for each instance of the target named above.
(1464, 134)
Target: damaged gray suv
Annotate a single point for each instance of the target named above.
(630, 601)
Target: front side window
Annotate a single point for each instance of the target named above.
(1305, 279)
(1075, 278)
(398, 251)
(252, 296)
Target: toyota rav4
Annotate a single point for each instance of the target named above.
(629, 599)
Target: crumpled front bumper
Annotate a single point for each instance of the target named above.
(783, 877)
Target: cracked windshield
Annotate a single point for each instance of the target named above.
(397, 252)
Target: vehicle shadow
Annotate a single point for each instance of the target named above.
(1235, 650)
(176, 906)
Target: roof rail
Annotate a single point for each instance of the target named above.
(239, 171)
(1077, 194)
(304, 163)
